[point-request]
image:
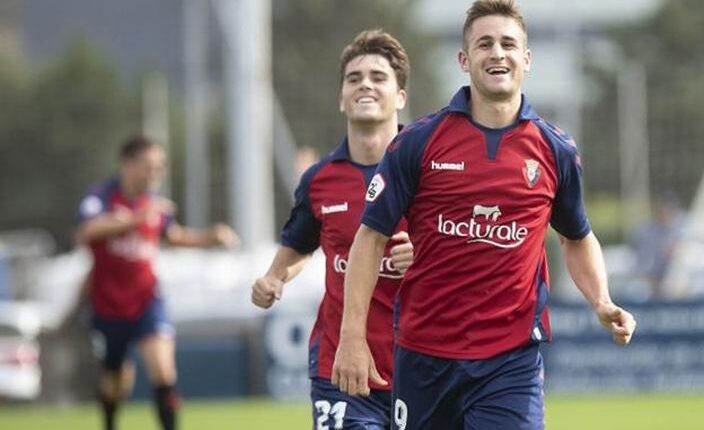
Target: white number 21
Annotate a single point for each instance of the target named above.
(325, 411)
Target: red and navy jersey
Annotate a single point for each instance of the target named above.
(478, 203)
(122, 282)
(328, 208)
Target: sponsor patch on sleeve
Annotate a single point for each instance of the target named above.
(376, 187)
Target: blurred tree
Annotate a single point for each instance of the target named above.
(666, 45)
(308, 38)
(62, 126)
(59, 133)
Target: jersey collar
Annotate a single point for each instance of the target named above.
(342, 152)
(460, 104)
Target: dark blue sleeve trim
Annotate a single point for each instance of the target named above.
(95, 202)
(302, 230)
(569, 216)
(399, 171)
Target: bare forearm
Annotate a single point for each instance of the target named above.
(216, 235)
(585, 263)
(106, 225)
(360, 280)
(188, 237)
(287, 264)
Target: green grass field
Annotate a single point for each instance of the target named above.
(647, 412)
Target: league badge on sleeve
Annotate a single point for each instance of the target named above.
(376, 187)
(91, 206)
(531, 172)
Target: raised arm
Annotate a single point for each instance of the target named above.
(106, 225)
(216, 235)
(286, 265)
(119, 221)
(354, 364)
(585, 263)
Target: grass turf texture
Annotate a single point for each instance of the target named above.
(642, 412)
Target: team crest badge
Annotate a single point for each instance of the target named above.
(531, 173)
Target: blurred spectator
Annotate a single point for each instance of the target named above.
(306, 156)
(654, 241)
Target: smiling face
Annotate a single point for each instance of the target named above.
(496, 57)
(370, 91)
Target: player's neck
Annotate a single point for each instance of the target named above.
(367, 142)
(495, 114)
(129, 190)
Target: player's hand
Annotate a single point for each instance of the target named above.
(353, 367)
(402, 252)
(266, 290)
(620, 323)
(223, 235)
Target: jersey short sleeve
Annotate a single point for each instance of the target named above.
(96, 201)
(302, 230)
(393, 187)
(569, 216)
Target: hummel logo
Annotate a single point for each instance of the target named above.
(342, 207)
(447, 166)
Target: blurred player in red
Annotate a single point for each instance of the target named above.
(329, 202)
(479, 181)
(122, 221)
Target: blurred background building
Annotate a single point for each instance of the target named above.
(245, 91)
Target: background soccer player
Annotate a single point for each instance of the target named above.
(479, 182)
(122, 221)
(329, 202)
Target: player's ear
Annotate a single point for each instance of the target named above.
(527, 60)
(401, 98)
(463, 59)
(341, 104)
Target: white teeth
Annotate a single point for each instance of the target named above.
(365, 100)
(493, 70)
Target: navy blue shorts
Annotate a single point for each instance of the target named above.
(113, 338)
(334, 410)
(501, 393)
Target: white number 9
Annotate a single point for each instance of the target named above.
(400, 414)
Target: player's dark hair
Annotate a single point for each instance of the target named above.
(482, 8)
(378, 42)
(135, 145)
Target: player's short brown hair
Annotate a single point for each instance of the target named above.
(135, 145)
(482, 8)
(381, 43)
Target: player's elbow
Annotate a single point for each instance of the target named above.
(177, 235)
(369, 235)
(585, 240)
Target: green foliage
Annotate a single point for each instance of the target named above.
(308, 38)
(669, 40)
(667, 46)
(58, 134)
